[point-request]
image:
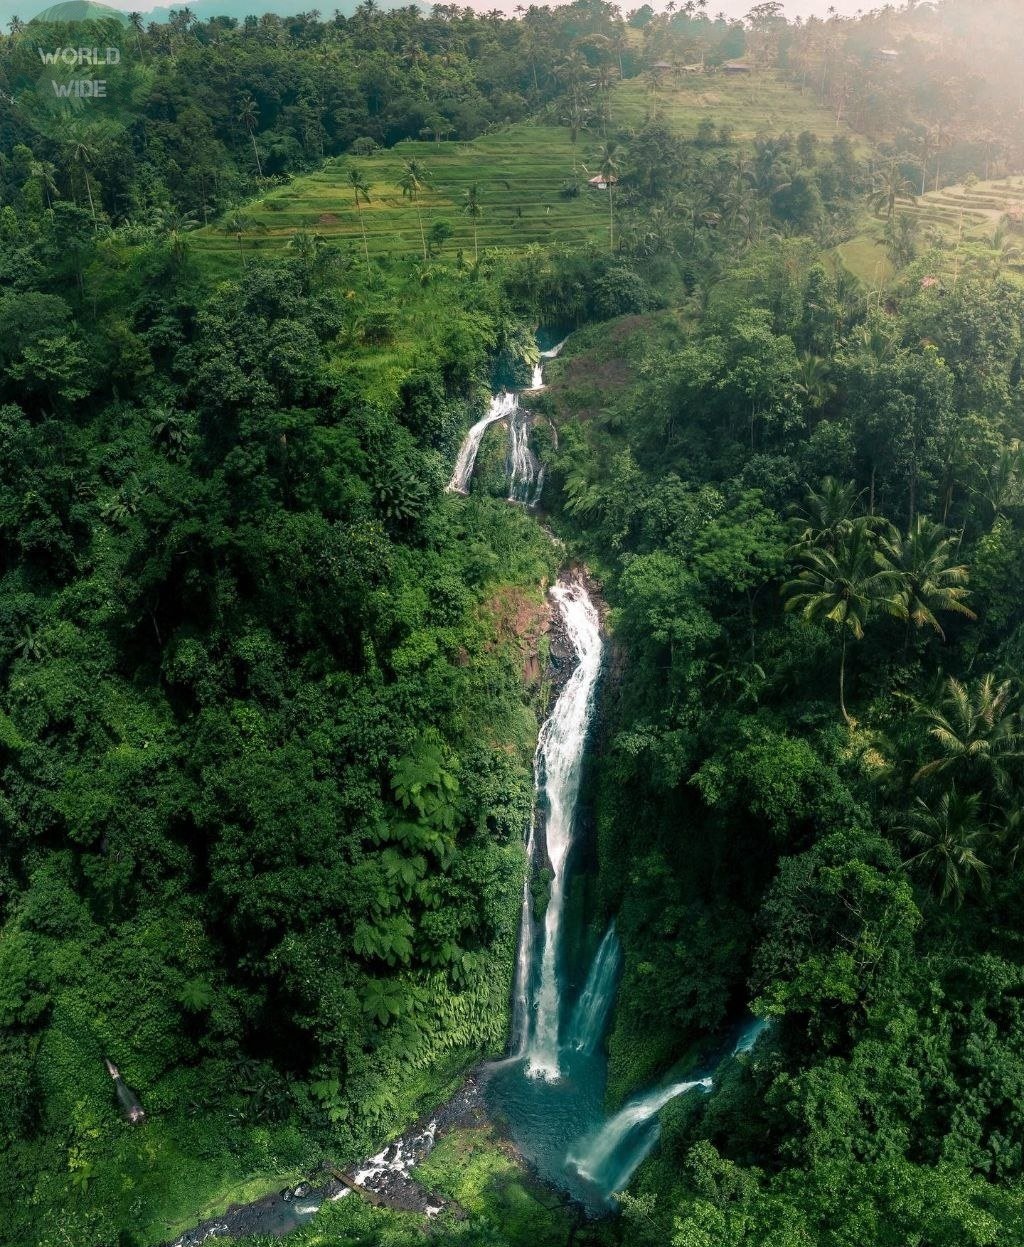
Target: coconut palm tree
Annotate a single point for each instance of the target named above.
(42, 171)
(950, 838)
(890, 185)
(175, 226)
(308, 246)
(930, 578)
(609, 166)
(135, 22)
(474, 211)
(828, 512)
(977, 731)
(79, 153)
(412, 182)
(813, 382)
(844, 586)
(249, 115)
(361, 194)
(238, 223)
(577, 118)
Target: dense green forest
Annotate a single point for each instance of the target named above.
(269, 694)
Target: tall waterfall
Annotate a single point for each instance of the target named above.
(560, 764)
(590, 1017)
(605, 1160)
(502, 405)
(525, 475)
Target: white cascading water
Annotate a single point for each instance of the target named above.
(524, 958)
(502, 406)
(590, 1017)
(537, 380)
(604, 1160)
(524, 473)
(561, 745)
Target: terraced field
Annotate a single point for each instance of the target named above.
(751, 105)
(520, 172)
(957, 223)
(976, 211)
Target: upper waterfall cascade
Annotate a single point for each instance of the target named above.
(502, 405)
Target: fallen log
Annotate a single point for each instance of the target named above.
(371, 1197)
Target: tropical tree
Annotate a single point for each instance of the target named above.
(930, 578)
(249, 115)
(412, 183)
(79, 154)
(361, 194)
(828, 512)
(42, 171)
(238, 223)
(844, 586)
(813, 381)
(175, 226)
(472, 208)
(976, 728)
(609, 167)
(135, 22)
(949, 838)
(890, 185)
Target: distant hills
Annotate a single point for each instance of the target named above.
(87, 10)
(80, 11)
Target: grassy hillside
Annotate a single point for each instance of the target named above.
(760, 103)
(520, 172)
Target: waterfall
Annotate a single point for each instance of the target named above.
(749, 1035)
(502, 405)
(524, 472)
(605, 1160)
(586, 1030)
(561, 745)
(553, 353)
(524, 959)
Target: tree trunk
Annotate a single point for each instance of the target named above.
(842, 683)
(88, 188)
(423, 237)
(362, 230)
(611, 216)
(255, 152)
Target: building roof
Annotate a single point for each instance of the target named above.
(601, 180)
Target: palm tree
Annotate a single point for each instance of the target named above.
(175, 226)
(845, 587)
(890, 185)
(135, 22)
(931, 580)
(249, 115)
(308, 247)
(577, 118)
(950, 837)
(80, 152)
(361, 194)
(977, 728)
(42, 171)
(474, 211)
(609, 166)
(813, 381)
(412, 182)
(828, 512)
(238, 223)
